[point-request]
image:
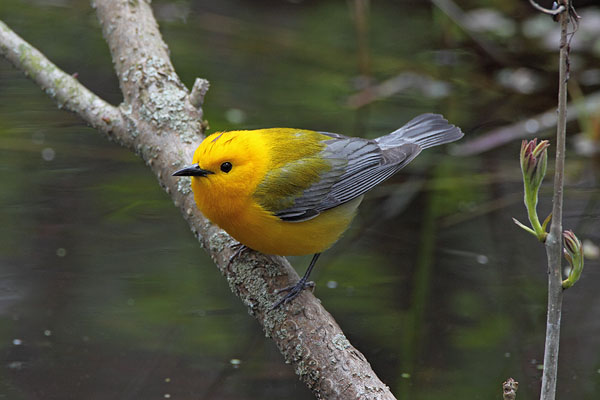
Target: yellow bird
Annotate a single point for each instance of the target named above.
(293, 191)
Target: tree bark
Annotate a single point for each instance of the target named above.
(159, 122)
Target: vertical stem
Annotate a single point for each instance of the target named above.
(554, 239)
(531, 198)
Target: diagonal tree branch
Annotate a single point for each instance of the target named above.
(61, 87)
(158, 121)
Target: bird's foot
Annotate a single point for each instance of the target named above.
(293, 292)
(239, 249)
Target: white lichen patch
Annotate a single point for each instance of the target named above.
(163, 98)
(340, 342)
(218, 241)
(184, 185)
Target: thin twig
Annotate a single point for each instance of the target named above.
(555, 11)
(554, 239)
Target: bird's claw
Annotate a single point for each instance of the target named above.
(293, 292)
(294, 288)
(239, 249)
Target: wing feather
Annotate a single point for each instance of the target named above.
(356, 165)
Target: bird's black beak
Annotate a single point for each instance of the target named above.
(192, 170)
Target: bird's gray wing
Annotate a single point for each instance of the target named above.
(356, 166)
(347, 168)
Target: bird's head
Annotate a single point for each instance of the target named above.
(227, 163)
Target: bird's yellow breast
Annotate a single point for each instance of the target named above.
(228, 199)
(254, 227)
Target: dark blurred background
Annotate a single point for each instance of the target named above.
(105, 294)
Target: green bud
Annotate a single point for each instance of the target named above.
(573, 251)
(534, 161)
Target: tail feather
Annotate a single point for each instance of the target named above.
(426, 130)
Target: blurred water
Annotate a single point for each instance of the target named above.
(105, 294)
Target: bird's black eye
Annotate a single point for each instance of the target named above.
(226, 166)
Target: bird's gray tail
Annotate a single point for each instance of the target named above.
(426, 130)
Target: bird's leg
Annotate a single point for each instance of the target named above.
(239, 249)
(295, 290)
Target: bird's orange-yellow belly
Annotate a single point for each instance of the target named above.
(268, 234)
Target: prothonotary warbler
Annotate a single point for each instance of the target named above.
(293, 191)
